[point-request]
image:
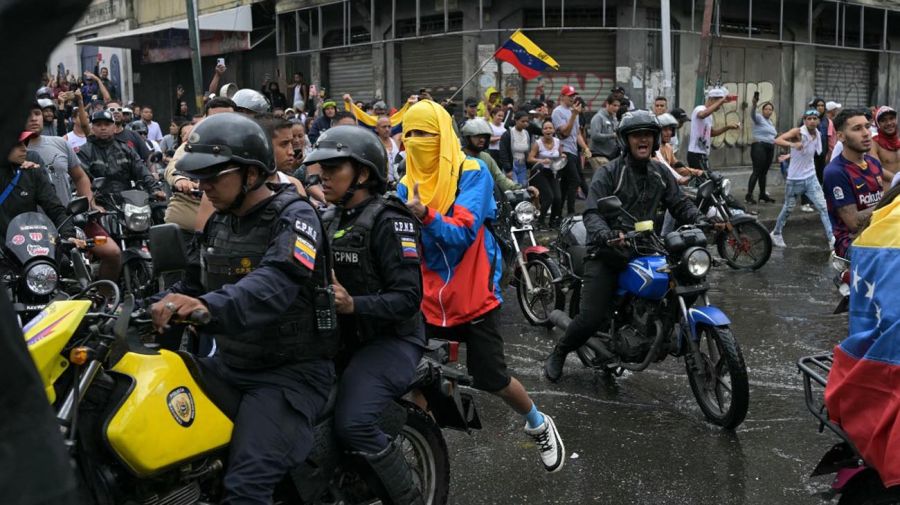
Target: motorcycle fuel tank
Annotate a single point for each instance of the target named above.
(165, 419)
(48, 333)
(642, 279)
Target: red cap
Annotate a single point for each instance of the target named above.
(24, 136)
(568, 90)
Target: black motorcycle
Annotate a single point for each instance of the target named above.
(855, 481)
(744, 244)
(661, 308)
(841, 280)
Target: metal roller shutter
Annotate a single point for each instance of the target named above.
(844, 76)
(431, 63)
(351, 72)
(587, 61)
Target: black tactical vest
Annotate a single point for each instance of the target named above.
(229, 254)
(355, 268)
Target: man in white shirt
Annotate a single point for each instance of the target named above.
(702, 130)
(154, 133)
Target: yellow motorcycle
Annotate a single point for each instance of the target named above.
(144, 425)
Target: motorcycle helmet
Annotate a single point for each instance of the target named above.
(667, 120)
(250, 101)
(45, 103)
(138, 127)
(355, 143)
(476, 128)
(636, 121)
(44, 92)
(224, 139)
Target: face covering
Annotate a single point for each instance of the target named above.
(432, 162)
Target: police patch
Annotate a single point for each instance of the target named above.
(305, 252)
(409, 248)
(838, 193)
(305, 228)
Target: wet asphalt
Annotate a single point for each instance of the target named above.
(641, 438)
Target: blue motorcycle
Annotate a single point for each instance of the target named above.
(661, 308)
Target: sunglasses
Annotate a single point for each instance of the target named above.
(115, 109)
(214, 179)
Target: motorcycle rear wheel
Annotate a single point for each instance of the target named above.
(548, 296)
(724, 403)
(426, 453)
(747, 248)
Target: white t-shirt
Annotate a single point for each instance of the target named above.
(701, 131)
(498, 132)
(803, 165)
(75, 141)
(838, 149)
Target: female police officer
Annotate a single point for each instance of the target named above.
(377, 289)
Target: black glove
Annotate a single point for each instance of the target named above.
(604, 237)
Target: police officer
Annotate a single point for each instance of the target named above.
(642, 184)
(378, 291)
(262, 280)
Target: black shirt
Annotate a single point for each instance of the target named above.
(32, 190)
(135, 142)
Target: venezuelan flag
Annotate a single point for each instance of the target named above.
(863, 392)
(370, 121)
(529, 59)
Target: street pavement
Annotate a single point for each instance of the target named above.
(640, 438)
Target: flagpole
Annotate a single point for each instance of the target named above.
(483, 64)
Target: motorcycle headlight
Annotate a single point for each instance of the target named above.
(137, 218)
(41, 279)
(525, 212)
(697, 261)
(726, 187)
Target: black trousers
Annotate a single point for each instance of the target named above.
(273, 428)
(551, 196)
(570, 181)
(697, 160)
(761, 154)
(598, 286)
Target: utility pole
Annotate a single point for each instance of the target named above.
(665, 14)
(703, 67)
(194, 37)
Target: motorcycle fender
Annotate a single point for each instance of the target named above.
(535, 249)
(713, 316)
(742, 218)
(839, 457)
(134, 253)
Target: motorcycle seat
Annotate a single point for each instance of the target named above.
(219, 392)
(578, 253)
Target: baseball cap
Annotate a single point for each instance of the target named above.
(568, 91)
(380, 105)
(618, 89)
(471, 102)
(126, 110)
(45, 102)
(884, 109)
(717, 92)
(103, 115)
(679, 114)
(830, 106)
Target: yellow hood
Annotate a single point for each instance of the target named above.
(433, 163)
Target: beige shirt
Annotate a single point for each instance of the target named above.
(182, 209)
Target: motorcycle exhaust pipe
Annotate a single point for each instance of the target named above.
(560, 319)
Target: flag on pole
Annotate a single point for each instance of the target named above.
(863, 385)
(370, 121)
(529, 59)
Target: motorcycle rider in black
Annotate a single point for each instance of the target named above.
(378, 291)
(263, 280)
(642, 184)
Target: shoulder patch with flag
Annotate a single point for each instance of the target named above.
(862, 391)
(305, 244)
(529, 59)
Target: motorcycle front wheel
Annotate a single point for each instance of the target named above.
(719, 382)
(545, 296)
(138, 278)
(748, 247)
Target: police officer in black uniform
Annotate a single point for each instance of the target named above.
(642, 184)
(378, 291)
(263, 280)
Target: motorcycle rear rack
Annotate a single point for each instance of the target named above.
(815, 369)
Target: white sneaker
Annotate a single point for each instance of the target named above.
(778, 240)
(807, 208)
(553, 453)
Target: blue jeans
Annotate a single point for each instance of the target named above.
(811, 188)
(520, 173)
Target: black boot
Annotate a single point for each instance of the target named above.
(395, 475)
(553, 367)
(766, 198)
(749, 199)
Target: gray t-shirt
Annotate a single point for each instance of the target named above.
(561, 117)
(58, 157)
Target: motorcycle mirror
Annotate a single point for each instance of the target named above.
(609, 205)
(77, 205)
(167, 248)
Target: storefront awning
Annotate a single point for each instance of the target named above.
(238, 19)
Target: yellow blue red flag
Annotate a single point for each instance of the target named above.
(370, 121)
(529, 59)
(863, 392)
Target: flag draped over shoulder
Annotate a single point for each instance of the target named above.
(370, 121)
(863, 392)
(529, 59)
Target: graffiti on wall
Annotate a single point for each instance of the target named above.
(734, 111)
(591, 86)
(847, 84)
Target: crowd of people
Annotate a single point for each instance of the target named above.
(246, 178)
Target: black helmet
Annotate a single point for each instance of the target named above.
(138, 127)
(636, 121)
(223, 138)
(356, 143)
(102, 115)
